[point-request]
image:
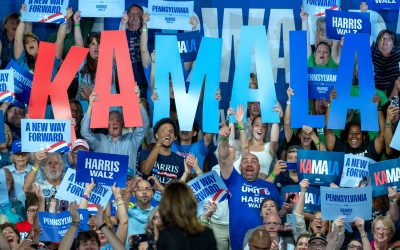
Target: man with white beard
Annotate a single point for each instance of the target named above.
(51, 168)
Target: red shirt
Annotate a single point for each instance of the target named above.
(24, 227)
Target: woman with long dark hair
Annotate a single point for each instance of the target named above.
(180, 228)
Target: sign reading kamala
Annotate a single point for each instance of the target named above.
(170, 15)
(383, 4)
(348, 203)
(320, 82)
(6, 85)
(102, 8)
(312, 201)
(22, 81)
(70, 190)
(45, 11)
(208, 187)
(340, 23)
(188, 44)
(320, 167)
(384, 174)
(105, 169)
(45, 134)
(318, 7)
(355, 168)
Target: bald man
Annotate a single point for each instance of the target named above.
(260, 240)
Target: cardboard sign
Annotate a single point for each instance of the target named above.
(44, 134)
(22, 81)
(340, 23)
(6, 86)
(170, 15)
(70, 190)
(318, 7)
(189, 45)
(208, 187)
(320, 82)
(355, 168)
(320, 167)
(105, 169)
(384, 174)
(395, 143)
(45, 11)
(348, 203)
(3, 188)
(103, 8)
(383, 4)
(312, 200)
(53, 226)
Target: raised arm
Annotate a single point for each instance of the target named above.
(244, 141)
(286, 120)
(69, 237)
(122, 215)
(329, 135)
(393, 207)
(19, 36)
(391, 113)
(314, 137)
(86, 194)
(304, 26)
(364, 237)
(379, 141)
(62, 31)
(274, 138)
(77, 30)
(144, 50)
(124, 21)
(115, 243)
(304, 184)
(224, 161)
(31, 176)
(86, 132)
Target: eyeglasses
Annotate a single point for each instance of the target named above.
(386, 39)
(352, 246)
(20, 154)
(32, 211)
(384, 229)
(270, 223)
(317, 218)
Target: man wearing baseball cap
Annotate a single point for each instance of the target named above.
(317, 241)
(79, 144)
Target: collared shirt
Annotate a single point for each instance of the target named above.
(137, 220)
(126, 144)
(19, 179)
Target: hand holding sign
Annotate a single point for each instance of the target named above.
(359, 222)
(239, 114)
(209, 209)
(304, 185)
(39, 157)
(73, 211)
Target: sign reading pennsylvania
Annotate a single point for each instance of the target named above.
(171, 15)
(384, 174)
(320, 82)
(320, 167)
(45, 11)
(45, 134)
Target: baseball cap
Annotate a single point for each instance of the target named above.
(80, 142)
(16, 147)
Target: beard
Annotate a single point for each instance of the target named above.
(53, 176)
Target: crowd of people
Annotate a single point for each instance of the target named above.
(156, 209)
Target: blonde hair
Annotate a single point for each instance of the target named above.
(387, 222)
(178, 207)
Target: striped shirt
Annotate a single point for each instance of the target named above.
(386, 69)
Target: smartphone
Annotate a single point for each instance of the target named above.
(290, 198)
(394, 101)
(291, 166)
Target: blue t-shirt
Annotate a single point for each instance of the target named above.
(166, 168)
(197, 148)
(244, 205)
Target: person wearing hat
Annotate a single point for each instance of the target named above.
(14, 112)
(19, 169)
(79, 144)
(317, 241)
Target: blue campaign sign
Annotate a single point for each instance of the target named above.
(312, 202)
(208, 187)
(320, 167)
(2, 128)
(45, 11)
(188, 44)
(103, 8)
(396, 139)
(71, 191)
(171, 15)
(340, 23)
(384, 174)
(320, 82)
(3, 188)
(105, 169)
(318, 7)
(355, 169)
(84, 218)
(383, 4)
(45, 134)
(6, 85)
(53, 226)
(22, 81)
(346, 203)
